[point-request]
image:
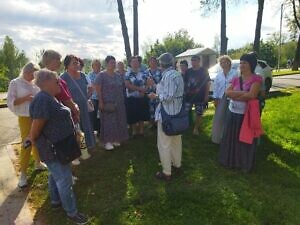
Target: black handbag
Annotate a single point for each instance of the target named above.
(66, 150)
(174, 124)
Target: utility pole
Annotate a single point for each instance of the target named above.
(135, 28)
(280, 31)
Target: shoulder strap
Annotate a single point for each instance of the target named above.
(78, 85)
(241, 83)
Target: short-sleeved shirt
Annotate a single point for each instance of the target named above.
(92, 76)
(59, 124)
(195, 84)
(240, 106)
(64, 94)
(137, 79)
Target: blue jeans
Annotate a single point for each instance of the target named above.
(60, 186)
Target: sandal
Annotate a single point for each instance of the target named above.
(161, 176)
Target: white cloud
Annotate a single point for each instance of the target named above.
(91, 28)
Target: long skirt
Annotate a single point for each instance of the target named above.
(233, 153)
(219, 119)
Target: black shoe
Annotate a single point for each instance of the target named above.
(79, 218)
(177, 171)
(55, 205)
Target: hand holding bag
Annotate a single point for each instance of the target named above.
(174, 124)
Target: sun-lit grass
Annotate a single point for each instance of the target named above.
(119, 188)
(282, 72)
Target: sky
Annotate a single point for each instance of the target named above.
(91, 28)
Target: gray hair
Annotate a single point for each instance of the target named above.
(29, 68)
(44, 75)
(166, 60)
(94, 61)
(48, 56)
(226, 57)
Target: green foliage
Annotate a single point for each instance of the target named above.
(12, 58)
(175, 43)
(268, 51)
(4, 81)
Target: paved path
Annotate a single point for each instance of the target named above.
(285, 82)
(14, 209)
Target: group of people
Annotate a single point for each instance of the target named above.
(51, 107)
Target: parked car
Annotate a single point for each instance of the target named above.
(262, 69)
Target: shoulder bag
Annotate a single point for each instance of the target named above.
(174, 124)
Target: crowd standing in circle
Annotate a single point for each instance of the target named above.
(124, 99)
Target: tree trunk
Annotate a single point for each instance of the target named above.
(258, 26)
(124, 30)
(296, 62)
(224, 39)
(135, 28)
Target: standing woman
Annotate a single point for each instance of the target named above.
(221, 83)
(78, 86)
(109, 87)
(137, 102)
(20, 94)
(234, 153)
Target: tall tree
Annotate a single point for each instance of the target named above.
(11, 58)
(210, 6)
(296, 13)
(124, 30)
(258, 26)
(135, 28)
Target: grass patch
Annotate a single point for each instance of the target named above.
(284, 72)
(119, 188)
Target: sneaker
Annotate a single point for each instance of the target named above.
(116, 144)
(108, 146)
(23, 181)
(76, 162)
(79, 218)
(40, 166)
(74, 179)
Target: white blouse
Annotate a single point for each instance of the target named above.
(18, 88)
(222, 82)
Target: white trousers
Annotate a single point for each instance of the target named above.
(169, 149)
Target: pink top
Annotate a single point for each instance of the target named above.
(64, 94)
(240, 106)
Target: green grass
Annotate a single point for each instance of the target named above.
(119, 188)
(282, 72)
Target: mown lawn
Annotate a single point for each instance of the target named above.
(119, 187)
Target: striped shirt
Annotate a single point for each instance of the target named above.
(170, 92)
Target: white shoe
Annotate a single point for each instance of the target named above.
(108, 146)
(74, 179)
(85, 154)
(76, 162)
(23, 181)
(116, 144)
(40, 166)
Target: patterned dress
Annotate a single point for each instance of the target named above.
(156, 77)
(113, 124)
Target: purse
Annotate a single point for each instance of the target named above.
(174, 124)
(90, 105)
(109, 107)
(66, 150)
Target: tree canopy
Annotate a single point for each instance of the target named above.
(175, 43)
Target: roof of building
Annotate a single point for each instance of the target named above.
(197, 51)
